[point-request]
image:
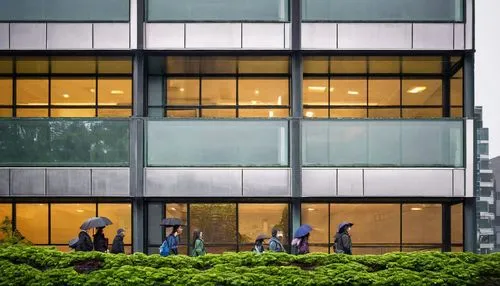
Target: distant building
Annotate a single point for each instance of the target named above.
(495, 167)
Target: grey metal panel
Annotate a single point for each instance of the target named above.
(164, 36)
(27, 182)
(263, 35)
(213, 35)
(4, 182)
(319, 182)
(193, 182)
(433, 36)
(458, 182)
(28, 36)
(288, 28)
(459, 37)
(4, 36)
(374, 36)
(469, 29)
(111, 35)
(319, 36)
(350, 182)
(111, 182)
(408, 182)
(69, 36)
(469, 158)
(133, 24)
(68, 182)
(266, 183)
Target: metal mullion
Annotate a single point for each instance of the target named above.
(50, 87)
(237, 98)
(400, 87)
(49, 222)
(188, 227)
(329, 86)
(400, 227)
(329, 227)
(237, 227)
(199, 107)
(96, 86)
(14, 87)
(14, 214)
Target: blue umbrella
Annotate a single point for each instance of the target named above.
(303, 230)
(344, 224)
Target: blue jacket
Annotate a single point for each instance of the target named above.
(173, 242)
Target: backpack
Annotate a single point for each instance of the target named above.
(74, 243)
(164, 248)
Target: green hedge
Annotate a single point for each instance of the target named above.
(47, 266)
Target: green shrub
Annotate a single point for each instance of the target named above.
(26, 265)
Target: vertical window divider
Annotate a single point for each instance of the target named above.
(329, 78)
(49, 205)
(14, 86)
(329, 227)
(188, 228)
(49, 99)
(237, 227)
(400, 227)
(400, 87)
(13, 219)
(96, 86)
(237, 92)
(446, 86)
(200, 104)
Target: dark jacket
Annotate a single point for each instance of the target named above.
(84, 242)
(343, 243)
(258, 247)
(275, 245)
(100, 242)
(118, 246)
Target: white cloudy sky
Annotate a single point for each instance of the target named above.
(488, 68)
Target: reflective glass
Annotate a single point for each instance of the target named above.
(32, 221)
(5, 91)
(182, 113)
(255, 219)
(316, 215)
(350, 92)
(315, 91)
(263, 91)
(66, 219)
(114, 65)
(457, 225)
(32, 92)
(263, 65)
(218, 91)
(422, 65)
(5, 65)
(121, 216)
(422, 224)
(349, 65)
(68, 65)
(384, 65)
(33, 65)
(384, 92)
(318, 65)
(183, 91)
(73, 91)
(218, 65)
(422, 92)
(114, 92)
(5, 212)
(216, 221)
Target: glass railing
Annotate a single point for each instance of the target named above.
(383, 143)
(64, 142)
(189, 143)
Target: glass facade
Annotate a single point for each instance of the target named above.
(65, 10)
(217, 10)
(383, 10)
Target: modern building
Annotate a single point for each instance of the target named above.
(237, 116)
(495, 167)
(485, 193)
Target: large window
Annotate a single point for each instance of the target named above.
(5, 212)
(66, 87)
(380, 87)
(32, 220)
(383, 10)
(457, 227)
(422, 226)
(219, 87)
(65, 10)
(217, 10)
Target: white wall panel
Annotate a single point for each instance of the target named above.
(213, 36)
(263, 35)
(4, 182)
(4, 36)
(459, 43)
(165, 35)
(111, 36)
(350, 182)
(287, 35)
(68, 182)
(433, 36)
(318, 182)
(27, 182)
(69, 36)
(458, 183)
(28, 36)
(133, 24)
(469, 26)
(266, 182)
(374, 36)
(111, 182)
(408, 182)
(319, 36)
(469, 158)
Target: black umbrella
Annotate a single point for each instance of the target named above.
(171, 221)
(95, 222)
(261, 237)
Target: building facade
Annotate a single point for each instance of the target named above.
(238, 116)
(485, 193)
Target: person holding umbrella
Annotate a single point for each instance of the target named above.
(84, 241)
(259, 244)
(100, 241)
(169, 246)
(342, 242)
(300, 243)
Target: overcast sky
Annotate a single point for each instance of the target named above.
(488, 68)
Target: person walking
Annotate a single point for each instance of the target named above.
(84, 242)
(172, 241)
(275, 244)
(259, 244)
(198, 244)
(300, 244)
(342, 241)
(100, 241)
(118, 245)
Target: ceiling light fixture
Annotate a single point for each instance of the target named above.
(65, 95)
(174, 209)
(254, 102)
(271, 113)
(181, 89)
(332, 89)
(92, 90)
(117, 92)
(79, 211)
(311, 209)
(416, 89)
(279, 100)
(416, 209)
(257, 92)
(317, 88)
(352, 92)
(309, 114)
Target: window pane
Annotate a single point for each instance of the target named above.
(382, 10)
(107, 112)
(422, 113)
(419, 65)
(263, 65)
(177, 211)
(218, 113)
(384, 92)
(66, 220)
(121, 216)
(456, 89)
(218, 91)
(32, 112)
(263, 92)
(183, 113)
(263, 113)
(384, 112)
(422, 224)
(5, 112)
(218, 65)
(183, 65)
(114, 65)
(315, 113)
(67, 65)
(318, 248)
(316, 65)
(457, 112)
(217, 10)
(422, 92)
(349, 65)
(78, 92)
(5, 91)
(32, 65)
(32, 92)
(216, 221)
(183, 92)
(32, 220)
(5, 65)
(368, 220)
(316, 91)
(457, 224)
(316, 215)
(348, 91)
(381, 65)
(114, 92)
(348, 113)
(5, 212)
(72, 112)
(255, 219)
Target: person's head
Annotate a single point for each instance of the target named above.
(197, 234)
(100, 229)
(120, 232)
(177, 230)
(259, 241)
